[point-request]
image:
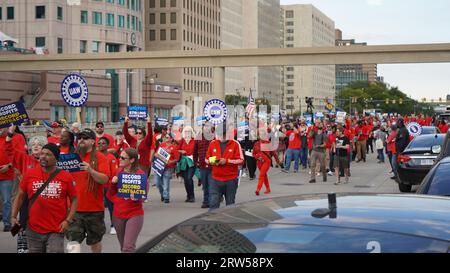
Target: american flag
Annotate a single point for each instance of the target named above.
(251, 106)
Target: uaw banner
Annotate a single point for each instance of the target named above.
(162, 121)
(14, 113)
(132, 184)
(159, 162)
(137, 112)
(69, 162)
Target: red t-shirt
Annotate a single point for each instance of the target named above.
(50, 208)
(125, 208)
(294, 140)
(64, 150)
(53, 139)
(19, 145)
(189, 148)
(443, 128)
(331, 140)
(109, 137)
(174, 153)
(113, 165)
(91, 201)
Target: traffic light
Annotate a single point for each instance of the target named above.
(387, 101)
(400, 101)
(394, 101)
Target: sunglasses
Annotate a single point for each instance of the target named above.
(139, 133)
(100, 127)
(123, 158)
(85, 138)
(102, 143)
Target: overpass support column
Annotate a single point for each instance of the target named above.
(219, 82)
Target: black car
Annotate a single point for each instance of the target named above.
(437, 181)
(355, 223)
(417, 160)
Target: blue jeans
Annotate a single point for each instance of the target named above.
(219, 188)
(381, 155)
(109, 205)
(189, 182)
(205, 177)
(304, 156)
(5, 191)
(292, 154)
(394, 164)
(163, 183)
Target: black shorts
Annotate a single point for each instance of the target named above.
(89, 225)
(341, 162)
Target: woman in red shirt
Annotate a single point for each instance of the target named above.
(128, 214)
(186, 149)
(143, 143)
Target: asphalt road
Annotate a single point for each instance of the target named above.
(367, 177)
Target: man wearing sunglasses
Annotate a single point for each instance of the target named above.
(100, 132)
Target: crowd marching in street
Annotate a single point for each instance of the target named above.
(50, 205)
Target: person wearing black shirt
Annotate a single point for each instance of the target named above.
(341, 147)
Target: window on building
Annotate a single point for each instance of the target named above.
(290, 31)
(60, 45)
(1, 12)
(162, 35)
(152, 19)
(173, 18)
(121, 2)
(84, 17)
(290, 84)
(60, 13)
(72, 111)
(121, 22)
(290, 39)
(40, 12)
(83, 46)
(133, 4)
(97, 18)
(128, 21)
(162, 18)
(289, 45)
(152, 35)
(57, 112)
(110, 1)
(133, 22)
(289, 14)
(289, 77)
(10, 13)
(290, 92)
(110, 19)
(289, 23)
(173, 3)
(40, 41)
(152, 4)
(95, 46)
(162, 3)
(290, 68)
(91, 114)
(103, 113)
(173, 34)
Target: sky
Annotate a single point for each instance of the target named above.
(383, 22)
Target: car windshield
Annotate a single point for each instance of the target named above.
(426, 142)
(440, 184)
(429, 130)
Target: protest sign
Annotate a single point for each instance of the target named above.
(162, 121)
(308, 119)
(137, 112)
(131, 183)
(159, 162)
(340, 117)
(69, 162)
(178, 121)
(14, 113)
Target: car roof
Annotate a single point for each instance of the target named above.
(445, 160)
(425, 216)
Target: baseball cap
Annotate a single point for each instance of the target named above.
(87, 132)
(56, 125)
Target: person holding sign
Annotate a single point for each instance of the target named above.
(186, 149)
(49, 216)
(163, 180)
(142, 142)
(128, 214)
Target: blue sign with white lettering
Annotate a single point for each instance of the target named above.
(132, 184)
(215, 111)
(162, 121)
(137, 112)
(69, 162)
(14, 113)
(74, 90)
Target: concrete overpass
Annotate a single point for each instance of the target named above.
(219, 59)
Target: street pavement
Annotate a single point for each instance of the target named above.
(368, 177)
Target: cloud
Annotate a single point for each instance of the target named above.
(374, 2)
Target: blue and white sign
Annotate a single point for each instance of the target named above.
(178, 121)
(162, 121)
(137, 112)
(12, 113)
(74, 90)
(132, 184)
(308, 119)
(215, 111)
(159, 161)
(69, 162)
(200, 120)
(414, 129)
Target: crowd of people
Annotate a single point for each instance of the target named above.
(51, 204)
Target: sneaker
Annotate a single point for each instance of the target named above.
(205, 206)
(252, 178)
(190, 200)
(330, 173)
(112, 231)
(257, 193)
(318, 174)
(162, 199)
(309, 172)
(296, 171)
(337, 183)
(312, 181)
(153, 185)
(7, 229)
(244, 174)
(267, 192)
(285, 171)
(167, 201)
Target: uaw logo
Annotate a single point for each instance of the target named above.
(414, 129)
(215, 111)
(74, 90)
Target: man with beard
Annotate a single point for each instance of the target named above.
(100, 132)
(89, 219)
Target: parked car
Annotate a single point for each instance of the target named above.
(430, 130)
(354, 223)
(417, 160)
(437, 181)
(445, 151)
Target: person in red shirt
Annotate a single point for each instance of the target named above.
(48, 217)
(103, 144)
(119, 145)
(7, 173)
(66, 145)
(293, 151)
(228, 157)
(143, 143)
(263, 153)
(89, 219)
(331, 153)
(362, 132)
(100, 132)
(163, 182)
(57, 131)
(443, 127)
(186, 150)
(128, 215)
(391, 146)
